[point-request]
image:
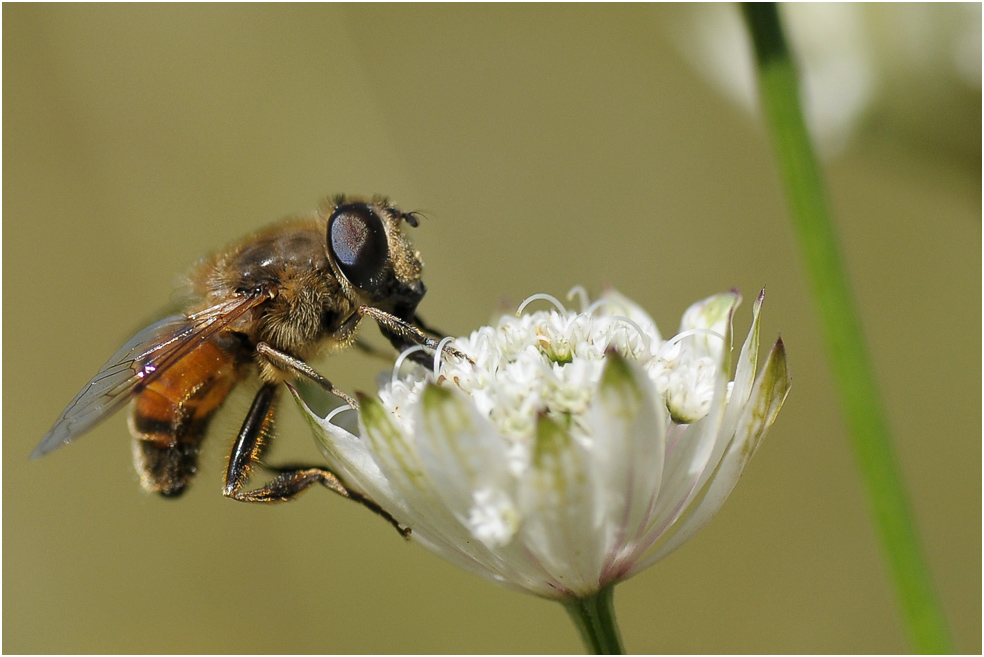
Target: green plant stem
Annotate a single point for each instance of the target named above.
(595, 620)
(871, 441)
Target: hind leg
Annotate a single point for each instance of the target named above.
(291, 482)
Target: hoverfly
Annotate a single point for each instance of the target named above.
(262, 307)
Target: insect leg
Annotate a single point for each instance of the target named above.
(299, 367)
(429, 330)
(290, 482)
(250, 442)
(403, 334)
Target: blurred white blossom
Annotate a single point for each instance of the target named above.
(904, 63)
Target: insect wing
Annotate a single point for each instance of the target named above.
(140, 361)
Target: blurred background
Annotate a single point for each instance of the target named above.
(548, 146)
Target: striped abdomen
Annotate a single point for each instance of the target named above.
(168, 418)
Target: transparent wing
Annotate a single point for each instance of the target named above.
(140, 361)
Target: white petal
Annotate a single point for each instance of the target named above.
(352, 460)
(464, 457)
(767, 398)
(747, 364)
(411, 490)
(628, 423)
(348, 457)
(421, 493)
(695, 446)
(557, 504)
(713, 314)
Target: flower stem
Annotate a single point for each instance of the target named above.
(595, 620)
(867, 426)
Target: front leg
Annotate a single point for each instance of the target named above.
(429, 330)
(290, 482)
(403, 334)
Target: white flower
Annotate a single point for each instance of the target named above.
(575, 450)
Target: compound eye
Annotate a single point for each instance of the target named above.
(358, 245)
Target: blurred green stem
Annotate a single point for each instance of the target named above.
(887, 499)
(594, 617)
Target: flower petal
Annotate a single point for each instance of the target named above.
(347, 455)
(712, 315)
(465, 458)
(628, 423)
(767, 398)
(694, 448)
(434, 524)
(351, 460)
(557, 503)
(747, 362)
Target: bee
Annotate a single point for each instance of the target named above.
(261, 307)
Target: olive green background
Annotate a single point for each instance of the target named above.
(547, 146)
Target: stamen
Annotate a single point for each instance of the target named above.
(642, 334)
(439, 353)
(545, 297)
(598, 304)
(337, 411)
(686, 334)
(401, 358)
(581, 293)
